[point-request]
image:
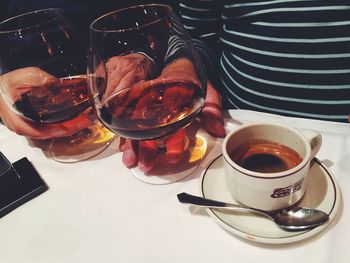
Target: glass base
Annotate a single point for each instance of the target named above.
(83, 145)
(167, 173)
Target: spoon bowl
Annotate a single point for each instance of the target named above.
(292, 219)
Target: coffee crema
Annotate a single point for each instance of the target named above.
(265, 156)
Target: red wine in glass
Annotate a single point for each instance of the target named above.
(142, 102)
(151, 112)
(55, 102)
(43, 79)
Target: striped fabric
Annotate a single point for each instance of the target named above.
(289, 57)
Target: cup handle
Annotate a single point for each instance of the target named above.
(315, 140)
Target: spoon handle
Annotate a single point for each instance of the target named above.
(209, 203)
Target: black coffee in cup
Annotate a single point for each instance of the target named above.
(265, 156)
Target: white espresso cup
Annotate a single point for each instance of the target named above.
(266, 165)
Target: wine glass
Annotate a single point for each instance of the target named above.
(147, 83)
(43, 79)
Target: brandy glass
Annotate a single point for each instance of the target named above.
(43, 79)
(147, 83)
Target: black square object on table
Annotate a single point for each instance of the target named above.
(19, 183)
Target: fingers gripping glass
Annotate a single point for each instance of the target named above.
(43, 67)
(148, 85)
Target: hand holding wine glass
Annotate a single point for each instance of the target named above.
(145, 153)
(33, 77)
(161, 96)
(43, 85)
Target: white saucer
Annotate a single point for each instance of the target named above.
(322, 193)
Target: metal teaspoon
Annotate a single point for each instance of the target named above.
(294, 219)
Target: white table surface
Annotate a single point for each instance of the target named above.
(97, 211)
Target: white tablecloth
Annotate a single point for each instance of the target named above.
(97, 211)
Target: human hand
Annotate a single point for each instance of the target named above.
(15, 83)
(145, 153)
(212, 119)
(123, 71)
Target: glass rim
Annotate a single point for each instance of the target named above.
(169, 8)
(13, 18)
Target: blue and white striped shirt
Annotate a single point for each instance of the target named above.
(289, 57)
